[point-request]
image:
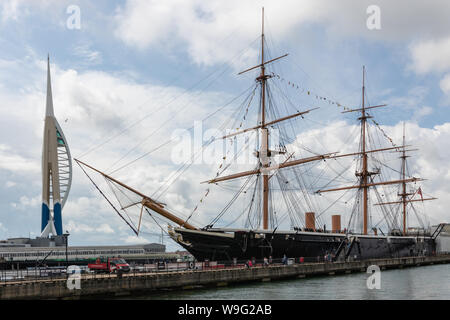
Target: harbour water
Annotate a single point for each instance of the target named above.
(426, 282)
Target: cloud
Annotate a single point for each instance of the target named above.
(215, 31)
(105, 228)
(210, 32)
(30, 202)
(17, 163)
(134, 240)
(199, 27)
(430, 56)
(74, 227)
(411, 103)
(445, 84)
(10, 184)
(87, 54)
(10, 10)
(15, 10)
(422, 112)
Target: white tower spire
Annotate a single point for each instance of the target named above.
(49, 102)
(56, 169)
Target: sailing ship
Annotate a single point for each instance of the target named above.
(305, 239)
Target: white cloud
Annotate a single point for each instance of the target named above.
(212, 31)
(10, 184)
(30, 202)
(209, 32)
(17, 163)
(431, 55)
(25, 203)
(445, 84)
(81, 208)
(411, 103)
(422, 112)
(87, 54)
(10, 9)
(14, 10)
(134, 240)
(74, 227)
(105, 228)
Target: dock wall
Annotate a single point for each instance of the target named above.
(111, 285)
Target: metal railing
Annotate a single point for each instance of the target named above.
(59, 273)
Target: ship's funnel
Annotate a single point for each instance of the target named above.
(336, 223)
(310, 220)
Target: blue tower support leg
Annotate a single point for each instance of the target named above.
(45, 216)
(57, 218)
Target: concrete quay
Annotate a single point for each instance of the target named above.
(101, 286)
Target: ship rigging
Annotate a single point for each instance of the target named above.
(262, 235)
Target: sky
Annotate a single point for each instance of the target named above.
(128, 74)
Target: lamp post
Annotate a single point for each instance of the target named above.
(66, 236)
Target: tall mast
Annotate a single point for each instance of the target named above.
(265, 133)
(262, 77)
(404, 184)
(264, 154)
(364, 173)
(404, 195)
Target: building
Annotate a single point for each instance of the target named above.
(443, 239)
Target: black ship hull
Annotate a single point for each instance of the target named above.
(226, 245)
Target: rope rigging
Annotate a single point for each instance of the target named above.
(296, 184)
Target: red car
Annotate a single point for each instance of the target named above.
(111, 265)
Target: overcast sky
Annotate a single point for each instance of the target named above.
(131, 72)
